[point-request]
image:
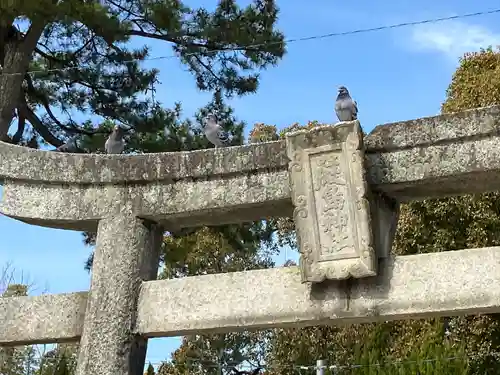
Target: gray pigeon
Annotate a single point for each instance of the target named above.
(71, 145)
(345, 107)
(214, 132)
(115, 144)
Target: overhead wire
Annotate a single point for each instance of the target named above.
(288, 41)
(201, 364)
(301, 368)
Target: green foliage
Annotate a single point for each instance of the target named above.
(468, 221)
(476, 82)
(19, 360)
(218, 250)
(15, 290)
(150, 370)
(369, 349)
(296, 126)
(59, 361)
(209, 355)
(263, 133)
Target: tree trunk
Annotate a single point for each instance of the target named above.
(17, 54)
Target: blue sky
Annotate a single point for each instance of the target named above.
(393, 74)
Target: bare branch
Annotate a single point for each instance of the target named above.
(28, 113)
(32, 36)
(45, 102)
(49, 57)
(72, 128)
(175, 40)
(46, 56)
(209, 69)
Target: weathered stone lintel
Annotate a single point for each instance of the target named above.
(448, 155)
(428, 172)
(185, 203)
(416, 286)
(436, 171)
(42, 319)
(25, 164)
(428, 285)
(478, 123)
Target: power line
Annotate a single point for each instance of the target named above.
(297, 368)
(289, 41)
(395, 26)
(199, 362)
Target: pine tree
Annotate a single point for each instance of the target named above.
(83, 60)
(64, 57)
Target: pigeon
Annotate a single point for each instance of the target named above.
(115, 144)
(214, 133)
(345, 107)
(71, 145)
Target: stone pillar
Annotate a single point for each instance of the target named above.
(385, 216)
(7, 353)
(127, 253)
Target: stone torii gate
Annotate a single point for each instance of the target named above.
(342, 190)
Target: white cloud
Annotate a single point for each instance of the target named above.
(452, 38)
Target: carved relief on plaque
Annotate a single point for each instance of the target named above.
(330, 195)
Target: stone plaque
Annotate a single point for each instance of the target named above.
(330, 195)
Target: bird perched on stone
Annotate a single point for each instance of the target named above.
(115, 144)
(71, 145)
(345, 107)
(214, 132)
